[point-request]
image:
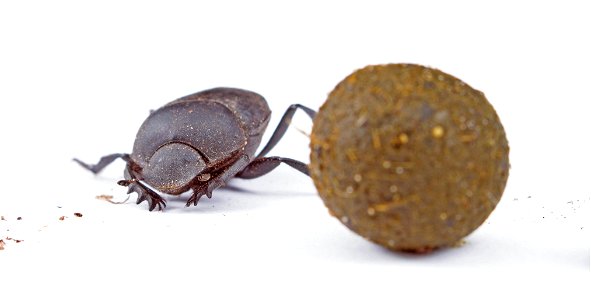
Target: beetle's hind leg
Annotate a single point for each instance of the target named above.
(143, 192)
(103, 162)
(283, 125)
(264, 165)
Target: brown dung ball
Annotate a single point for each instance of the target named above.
(408, 157)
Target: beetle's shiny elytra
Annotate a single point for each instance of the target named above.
(198, 134)
(199, 142)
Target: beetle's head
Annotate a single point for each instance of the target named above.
(172, 167)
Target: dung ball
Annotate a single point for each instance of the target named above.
(408, 157)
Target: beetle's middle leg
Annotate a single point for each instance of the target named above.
(207, 187)
(103, 162)
(264, 165)
(283, 125)
(143, 192)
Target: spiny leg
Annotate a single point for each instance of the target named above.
(197, 194)
(264, 165)
(207, 187)
(282, 127)
(103, 162)
(143, 192)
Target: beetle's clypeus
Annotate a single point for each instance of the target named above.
(199, 142)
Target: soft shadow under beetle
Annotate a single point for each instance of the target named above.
(199, 142)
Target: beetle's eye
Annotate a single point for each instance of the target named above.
(172, 167)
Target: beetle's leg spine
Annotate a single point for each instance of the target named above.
(143, 192)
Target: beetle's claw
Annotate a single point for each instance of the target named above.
(144, 194)
(212, 187)
(194, 199)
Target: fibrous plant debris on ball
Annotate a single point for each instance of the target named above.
(408, 157)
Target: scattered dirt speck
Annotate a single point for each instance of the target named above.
(2, 244)
(12, 239)
(79, 215)
(19, 218)
(104, 197)
(62, 218)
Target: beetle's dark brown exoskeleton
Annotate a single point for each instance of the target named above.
(199, 142)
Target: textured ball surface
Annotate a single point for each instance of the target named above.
(408, 157)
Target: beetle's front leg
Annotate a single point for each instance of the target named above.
(205, 188)
(143, 192)
(208, 183)
(198, 192)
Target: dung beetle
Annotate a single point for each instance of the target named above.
(198, 143)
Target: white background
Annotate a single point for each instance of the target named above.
(77, 79)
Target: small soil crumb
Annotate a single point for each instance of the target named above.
(79, 215)
(62, 218)
(2, 244)
(108, 198)
(19, 218)
(15, 240)
(2, 218)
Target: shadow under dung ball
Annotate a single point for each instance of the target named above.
(408, 157)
